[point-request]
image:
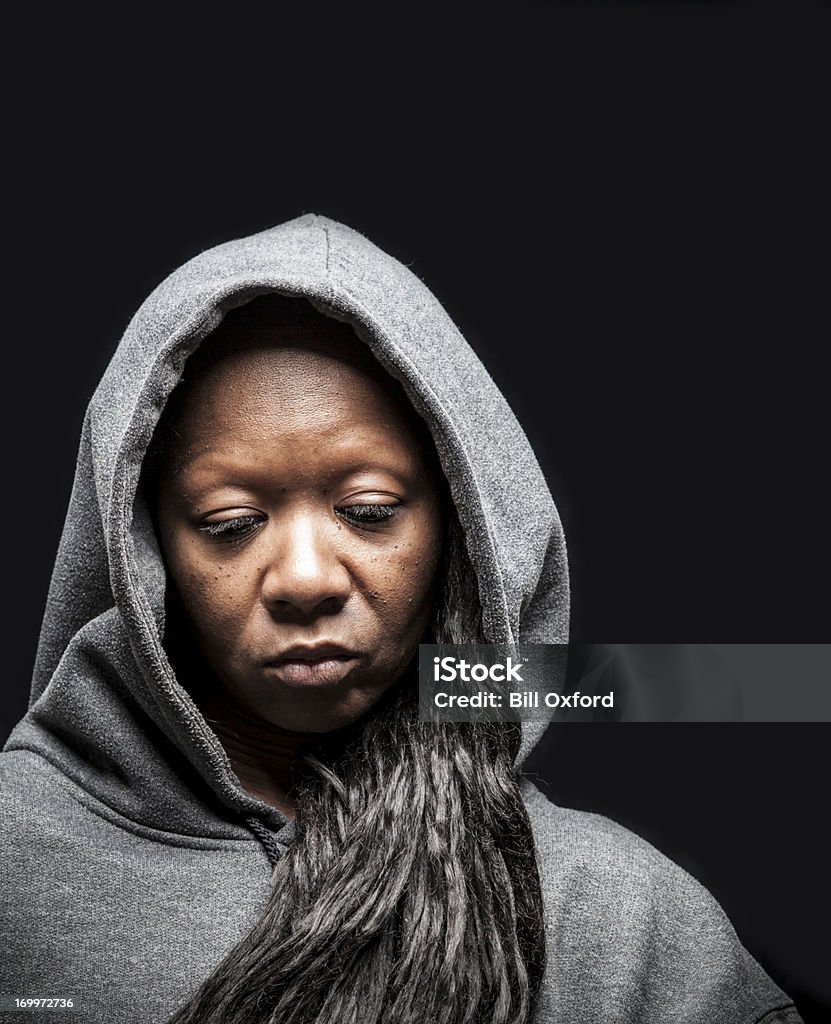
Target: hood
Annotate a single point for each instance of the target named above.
(106, 708)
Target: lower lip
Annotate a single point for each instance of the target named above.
(325, 672)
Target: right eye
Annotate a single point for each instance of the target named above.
(236, 529)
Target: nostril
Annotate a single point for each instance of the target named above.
(291, 612)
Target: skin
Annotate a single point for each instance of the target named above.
(298, 507)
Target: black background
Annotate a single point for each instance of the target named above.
(621, 205)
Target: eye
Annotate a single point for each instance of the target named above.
(236, 529)
(363, 516)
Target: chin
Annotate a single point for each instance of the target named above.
(316, 717)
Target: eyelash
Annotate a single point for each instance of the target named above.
(242, 527)
(367, 514)
(232, 529)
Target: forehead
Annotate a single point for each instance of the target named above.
(277, 388)
(298, 380)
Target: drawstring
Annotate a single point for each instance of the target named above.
(274, 850)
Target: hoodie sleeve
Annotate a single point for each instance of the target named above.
(631, 936)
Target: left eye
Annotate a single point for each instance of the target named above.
(361, 515)
(232, 529)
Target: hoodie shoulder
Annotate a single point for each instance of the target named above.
(631, 936)
(84, 889)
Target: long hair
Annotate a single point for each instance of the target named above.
(410, 892)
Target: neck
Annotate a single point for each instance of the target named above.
(263, 755)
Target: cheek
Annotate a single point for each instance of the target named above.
(406, 583)
(212, 596)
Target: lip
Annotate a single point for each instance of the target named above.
(312, 652)
(321, 664)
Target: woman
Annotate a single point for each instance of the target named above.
(221, 805)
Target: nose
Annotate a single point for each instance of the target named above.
(304, 571)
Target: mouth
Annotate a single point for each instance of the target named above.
(323, 664)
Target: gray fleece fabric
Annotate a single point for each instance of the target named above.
(132, 858)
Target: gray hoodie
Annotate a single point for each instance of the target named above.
(132, 858)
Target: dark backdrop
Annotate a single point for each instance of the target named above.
(621, 207)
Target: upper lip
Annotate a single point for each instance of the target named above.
(311, 652)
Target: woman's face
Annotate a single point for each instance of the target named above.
(300, 521)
